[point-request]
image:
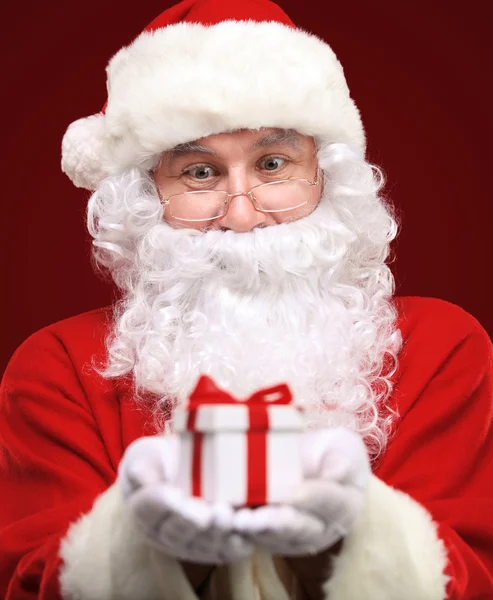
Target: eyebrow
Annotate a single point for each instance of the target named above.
(284, 137)
(187, 148)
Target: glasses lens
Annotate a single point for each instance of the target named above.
(198, 206)
(282, 195)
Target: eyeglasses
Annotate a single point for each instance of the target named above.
(271, 197)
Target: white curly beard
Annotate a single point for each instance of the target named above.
(250, 310)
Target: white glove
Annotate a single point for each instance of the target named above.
(336, 470)
(187, 528)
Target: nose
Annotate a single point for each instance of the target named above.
(242, 215)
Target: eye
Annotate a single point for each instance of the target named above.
(201, 172)
(272, 163)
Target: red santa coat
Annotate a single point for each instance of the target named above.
(428, 531)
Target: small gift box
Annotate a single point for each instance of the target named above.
(243, 452)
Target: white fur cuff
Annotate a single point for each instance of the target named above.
(392, 553)
(105, 558)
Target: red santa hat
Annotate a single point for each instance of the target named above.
(205, 67)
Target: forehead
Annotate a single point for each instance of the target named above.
(249, 139)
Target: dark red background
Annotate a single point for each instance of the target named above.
(420, 72)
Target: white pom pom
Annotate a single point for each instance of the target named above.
(82, 151)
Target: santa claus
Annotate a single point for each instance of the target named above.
(234, 208)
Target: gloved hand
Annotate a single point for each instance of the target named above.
(187, 528)
(336, 470)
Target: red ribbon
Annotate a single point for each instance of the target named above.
(207, 392)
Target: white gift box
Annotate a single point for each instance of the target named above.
(245, 453)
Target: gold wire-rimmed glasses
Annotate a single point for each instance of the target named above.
(272, 197)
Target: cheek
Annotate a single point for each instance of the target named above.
(303, 211)
(186, 225)
(181, 225)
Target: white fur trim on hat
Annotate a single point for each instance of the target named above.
(187, 81)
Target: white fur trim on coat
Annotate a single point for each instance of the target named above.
(187, 81)
(105, 558)
(393, 553)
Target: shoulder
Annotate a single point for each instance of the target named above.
(436, 324)
(444, 348)
(75, 340)
(416, 311)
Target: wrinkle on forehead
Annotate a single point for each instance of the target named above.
(287, 137)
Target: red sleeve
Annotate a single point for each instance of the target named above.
(53, 464)
(442, 453)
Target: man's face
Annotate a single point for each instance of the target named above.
(235, 163)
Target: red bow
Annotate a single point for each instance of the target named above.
(206, 392)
